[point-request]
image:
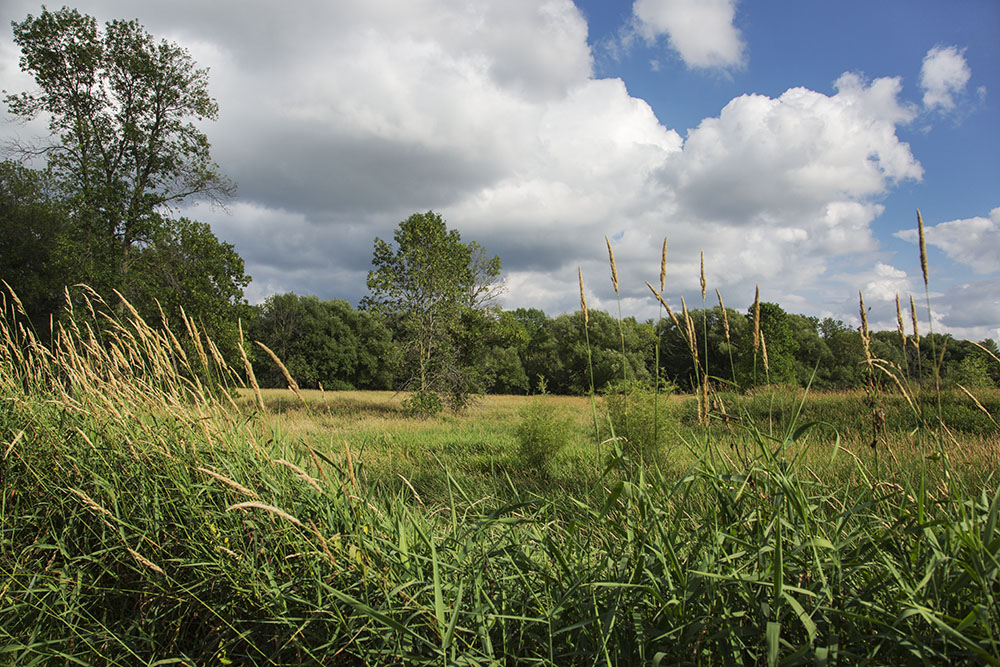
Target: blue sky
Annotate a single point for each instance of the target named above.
(790, 141)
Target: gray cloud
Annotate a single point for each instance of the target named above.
(338, 120)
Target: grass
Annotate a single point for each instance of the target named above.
(151, 513)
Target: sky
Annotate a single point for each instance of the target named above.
(790, 141)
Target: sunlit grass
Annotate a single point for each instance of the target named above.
(151, 514)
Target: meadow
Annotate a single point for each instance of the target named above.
(157, 507)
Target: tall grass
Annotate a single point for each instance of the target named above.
(149, 516)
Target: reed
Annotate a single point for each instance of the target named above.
(798, 549)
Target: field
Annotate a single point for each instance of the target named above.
(155, 511)
(478, 447)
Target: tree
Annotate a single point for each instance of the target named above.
(121, 109)
(123, 152)
(778, 336)
(321, 342)
(430, 280)
(31, 261)
(185, 265)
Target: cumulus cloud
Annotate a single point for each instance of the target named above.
(943, 76)
(974, 242)
(338, 120)
(700, 31)
(972, 309)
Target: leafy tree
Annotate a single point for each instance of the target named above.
(571, 373)
(123, 151)
(812, 354)
(431, 280)
(781, 347)
(322, 342)
(31, 260)
(184, 265)
(846, 366)
(121, 109)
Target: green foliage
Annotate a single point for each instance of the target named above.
(722, 352)
(33, 258)
(643, 419)
(422, 404)
(324, 343)
(782, 345)
(130, 537)
(185, 266)
(542, 432)
(437, 289)
(122, 111)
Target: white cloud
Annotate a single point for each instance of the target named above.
(973, 241)
(802, 166)
(971, 310)
(340, 119)
(701, 31)
(944, 75)
(885, 282)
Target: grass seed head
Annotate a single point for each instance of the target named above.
(899, 322)
(756, 319)
(725, 316)
(865, 332)
(614, 269)
(763, 350)
(292, 384)
(583, 298)
(923, 247)
(663, 265)
(267, 508)
(703, 275)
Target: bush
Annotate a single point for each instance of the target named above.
(541, 433)
(644, 421)
(423, 404)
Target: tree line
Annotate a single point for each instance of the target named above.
(124, 153)
(329, 343)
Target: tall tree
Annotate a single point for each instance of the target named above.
(121, 110)
(123, 153)
(430, 280)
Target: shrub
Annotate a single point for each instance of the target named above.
(643, 420)
(541, 433)
(423, 404)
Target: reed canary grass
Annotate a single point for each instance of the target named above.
(299, 472)
(249, 369)
(763, 350)
(663, 303)
(614, 268)
(292, 384)
(89, 502)
(923, 248)
(702, 280)
(228, 482)
(725, 316)
(142, 560)
(899, 323)
(663, 266)
(254, 504)
(866, 339)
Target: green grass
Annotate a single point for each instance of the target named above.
(148, 515)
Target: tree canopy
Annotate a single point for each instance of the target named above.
(436, 286)
(123, 152)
